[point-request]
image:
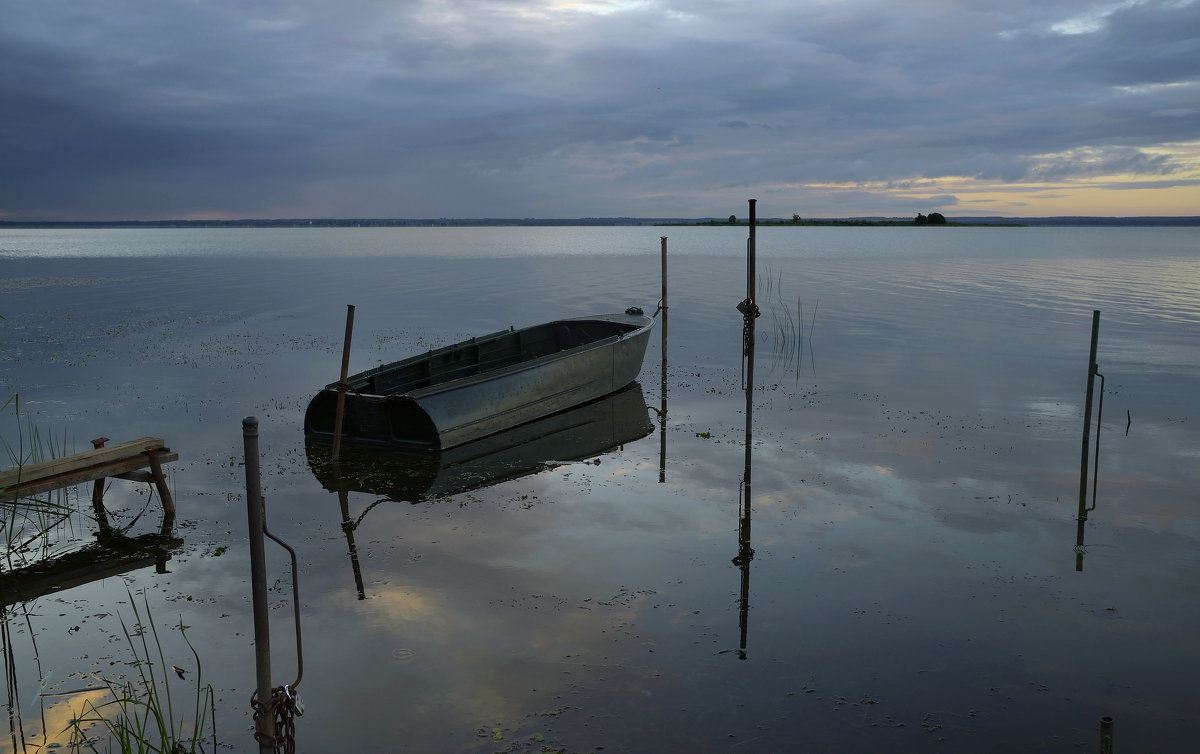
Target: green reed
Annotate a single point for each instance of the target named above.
(788, 335)
(140, 717)
(30, 518)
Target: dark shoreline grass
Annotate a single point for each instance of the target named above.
(845, 223)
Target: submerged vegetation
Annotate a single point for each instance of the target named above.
(788, 336)
(140, 716)
(39, 533)
(28, 519)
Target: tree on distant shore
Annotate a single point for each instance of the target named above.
(937, 218)
(733, 218)
(921, 219)
(795, 218)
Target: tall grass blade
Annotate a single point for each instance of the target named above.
(140, 716)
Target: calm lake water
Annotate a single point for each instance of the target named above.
(919, 578)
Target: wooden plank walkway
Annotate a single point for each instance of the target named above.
(127, 460)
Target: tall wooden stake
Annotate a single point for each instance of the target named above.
(1087, 415)
(341, 402)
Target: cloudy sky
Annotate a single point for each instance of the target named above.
(154, 109)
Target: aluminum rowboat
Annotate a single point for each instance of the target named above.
(578, 434)
(484, 385)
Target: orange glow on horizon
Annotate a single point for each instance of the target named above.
(1176, 193)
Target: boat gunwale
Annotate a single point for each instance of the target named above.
(499, 372)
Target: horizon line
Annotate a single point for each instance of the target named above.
(594, 220)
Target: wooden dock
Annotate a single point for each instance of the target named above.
(135, 460)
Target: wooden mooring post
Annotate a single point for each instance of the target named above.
(341, 401)
(1093, 372)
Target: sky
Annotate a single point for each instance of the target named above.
(231, 109)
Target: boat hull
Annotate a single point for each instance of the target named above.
(576, 434)
(486, 385)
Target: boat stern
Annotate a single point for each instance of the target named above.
(393, 420)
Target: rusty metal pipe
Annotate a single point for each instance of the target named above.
(264, 725)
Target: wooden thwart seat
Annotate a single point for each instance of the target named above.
(126, 460)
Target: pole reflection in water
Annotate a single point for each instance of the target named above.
(348, 528)
(576, 434)
(1080, 548)
(742, 561)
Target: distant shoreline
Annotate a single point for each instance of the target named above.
(1190, 221)
(850, 223)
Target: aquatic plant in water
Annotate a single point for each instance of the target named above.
(29, 519)
(788, 336)
(141, 716)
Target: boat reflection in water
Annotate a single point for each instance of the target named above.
(576, 434)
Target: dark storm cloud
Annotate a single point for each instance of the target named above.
(134, 109)
(1150, 43)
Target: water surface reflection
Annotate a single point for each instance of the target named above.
(578, 434)
(912, 499)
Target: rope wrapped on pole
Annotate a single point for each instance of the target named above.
(747, 307)
(750, 312)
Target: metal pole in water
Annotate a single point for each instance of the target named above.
(750, 338)
(662, 413)
(341, 402)
(745, 552)
(750, 253)
(663, 305)
(1087, 415)
(264, 725)
(1106, 735)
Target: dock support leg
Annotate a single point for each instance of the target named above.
(160, 482)
(98, 496)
